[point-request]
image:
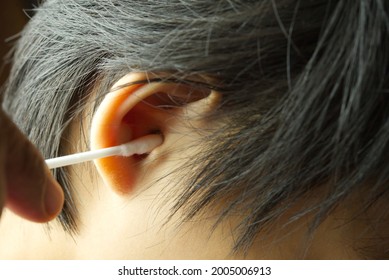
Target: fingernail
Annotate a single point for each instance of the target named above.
(54, 198)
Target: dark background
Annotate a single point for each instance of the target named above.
(14, 14)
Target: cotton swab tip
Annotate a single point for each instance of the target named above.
(141, 145)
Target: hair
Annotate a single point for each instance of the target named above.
(304, 89)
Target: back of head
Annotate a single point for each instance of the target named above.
(304, 88)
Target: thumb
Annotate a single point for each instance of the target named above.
(30, 190)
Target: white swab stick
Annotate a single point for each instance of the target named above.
(138, 146)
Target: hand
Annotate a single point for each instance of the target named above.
(26, 185)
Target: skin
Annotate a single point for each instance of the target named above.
(126, 218)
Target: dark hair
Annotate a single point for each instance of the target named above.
(304, 100)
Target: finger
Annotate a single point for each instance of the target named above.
(2, 176)
(31, 191)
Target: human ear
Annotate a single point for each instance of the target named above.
(132, 111)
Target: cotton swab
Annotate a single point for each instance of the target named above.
(138, 146)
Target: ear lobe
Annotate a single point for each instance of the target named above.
(132, 112)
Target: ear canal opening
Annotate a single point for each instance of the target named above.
(141, 121)
(139, 157)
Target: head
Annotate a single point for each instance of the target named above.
(274, 116)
